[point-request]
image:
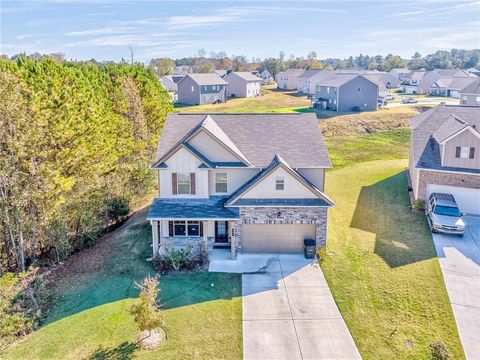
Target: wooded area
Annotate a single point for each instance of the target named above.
(76, 142)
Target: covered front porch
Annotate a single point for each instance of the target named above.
(184, 222)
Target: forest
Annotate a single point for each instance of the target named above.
(76, 142)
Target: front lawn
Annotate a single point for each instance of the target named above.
(382, 266)
(95, 288)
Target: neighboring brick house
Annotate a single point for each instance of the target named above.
(445, 154)
(247, 182)
(199, 89)
(242, 84)
(347, 92)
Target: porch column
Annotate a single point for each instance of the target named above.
(233, 239)
(155, 238)
(205, 234)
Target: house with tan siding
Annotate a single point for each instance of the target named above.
(445, 154)
(246, 182)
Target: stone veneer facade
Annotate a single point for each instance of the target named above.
(445, 178)
(284, 215)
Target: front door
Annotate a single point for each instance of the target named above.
(221, 231)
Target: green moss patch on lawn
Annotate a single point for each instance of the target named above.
(95, 288)
(383, 270)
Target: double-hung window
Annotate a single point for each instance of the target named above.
(465, 152)
(279, 183)
(220, 182)
(183, 183)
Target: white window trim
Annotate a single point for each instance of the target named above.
(280, 180)
(464, 152)
(223, 182)
(189, 184)
(185, 222)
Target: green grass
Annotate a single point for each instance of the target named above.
(382, 267)
(95, 289)
(352, 149)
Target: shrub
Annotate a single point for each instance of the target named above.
(177, 257)
(187, 258)
(23, 302)
(118, 209)
(418, 204)
(439, 351)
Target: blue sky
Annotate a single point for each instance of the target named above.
(104, 29)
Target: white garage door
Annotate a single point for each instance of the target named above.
(286, 238)
(468, 200)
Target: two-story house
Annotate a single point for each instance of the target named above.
(249, 182)
(288, 79)
(199, 89)
(307, 82)
(347, 92)
(242, 84)
(445, 154)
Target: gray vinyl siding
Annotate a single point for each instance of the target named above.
(464, 139)
(201, 94)
(236, 85)
(185, 93)
(347, 96)
(469, 99)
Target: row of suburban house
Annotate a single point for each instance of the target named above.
(216, 87)
(347, 90)
(256, 182)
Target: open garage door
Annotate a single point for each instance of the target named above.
(468, 199)
(285, 238)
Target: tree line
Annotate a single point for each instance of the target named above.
(201, 63)
(76, 142)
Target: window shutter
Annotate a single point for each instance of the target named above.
(192, 183)
(472, 153)
(201, 228)
(170, 228)
(174, 183)
(457, 152)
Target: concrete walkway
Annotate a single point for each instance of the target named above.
(288, 309)
(460, 262)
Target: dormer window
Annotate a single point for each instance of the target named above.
(279, 183)
(464, 152)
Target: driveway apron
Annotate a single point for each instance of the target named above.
(460, 263)
(289, 311)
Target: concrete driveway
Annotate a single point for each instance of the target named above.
(460, 262)
(289, 311)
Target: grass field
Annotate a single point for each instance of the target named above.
(203, 311)
(382, 269)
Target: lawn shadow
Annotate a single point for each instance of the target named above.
(401, 236)
(124, 351)
(110, 271)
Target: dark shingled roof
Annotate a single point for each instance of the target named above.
(296, 137)
(473, 88)
(211, 208)
(439, 120)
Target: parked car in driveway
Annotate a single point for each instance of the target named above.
(409, 101)
(443, 214)
(389, 97)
